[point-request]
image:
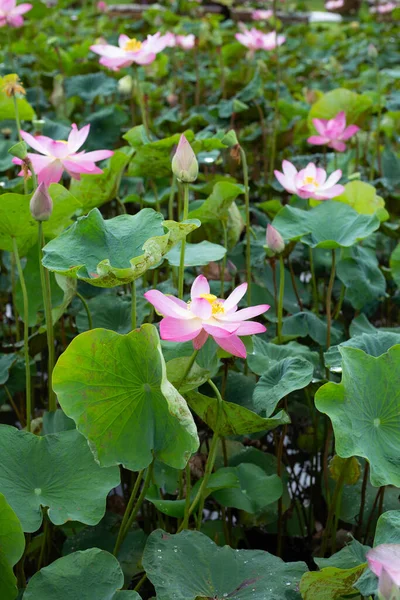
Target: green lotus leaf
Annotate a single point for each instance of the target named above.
(6, 362)
(110, 311)
(7, 108)
(365, 411)
(374, 344)
(279, 380)
(307, 323)
(330, 583)
(341, 99)
(115, 388)
(265, 354)
(395, 265)
(388, 528)
(196, 255)
(95, 190)
(363, 198)
(189, 565)
(107, 253)
(57, 471)
(12, 544)
(16, 219)
(358, 269)
(329, 225)
(236, 419)
(217, 205)
(86, 575)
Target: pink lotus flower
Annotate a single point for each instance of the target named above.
(384, 561)
(384, 8)
(261, 15)
(59, 155)
(334, 4)
(102, 6)
(131, 51)
(333, 133)
(186, 42)
(11, 14)
(257, 40)
(310, 182)
(205, 315)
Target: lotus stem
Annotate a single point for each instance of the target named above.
(248, 231)
(276, 103)
(280, 300)
(334, 507)
(183, 246)
(185, 522)
(188, 369)
(26, 336)
(87, 309)
(128, 510)
(46, 292)
(133, 306)
(140, 100)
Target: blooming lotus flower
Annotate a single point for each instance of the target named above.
(205, 315)
(261, 15)
(102, 6)
(274, 240)
(333, 132)
(11, 14)
(310, 182)
(60, 155)
(131, 51)
(257, 40)
(384, 561)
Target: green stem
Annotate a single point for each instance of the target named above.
(340, 302)
(140, 500)
(26, 336)
(128, 509)
(248, 233)
(185, 522)
(140, 100)
(313, 283)
(17, 121)
(87, 309)
(223, 263)
(280, 300)
(140, 582)
(46, 292)
(183, 246)
(276, 107)
(329, 300)
(334, 506)
(14, 296)
(188, 368)
(156, 197)
(171, 199)
(133, 305)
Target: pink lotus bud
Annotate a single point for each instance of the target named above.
(41, 204)
(102, 6)
(184, 162)
(274, 240)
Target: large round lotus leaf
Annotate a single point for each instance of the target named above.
(115, 388)
(12, 544)
(189, 565)
(307, 323)
(113, 252)
(363, 198)
(236, 419)
(265, 354)
(57, 471)
(16, 219)
(279, 380)
(88, 575)
(95, 190)
(365, 411)
(329, 225)
(196, 255)
(341, 99)
(373, 344)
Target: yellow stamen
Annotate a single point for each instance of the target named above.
(217, 306)
(132, 45)
(209, 297)
(310, 181)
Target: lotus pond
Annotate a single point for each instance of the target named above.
(199, 301)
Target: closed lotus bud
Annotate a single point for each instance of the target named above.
(41, 204)
(387, 589)
(274, 240)
(125, 85)
(184, 163)
(230, 139)
(20, 150)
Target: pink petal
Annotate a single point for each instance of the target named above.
(321, 176)
(77, 138)
(336, 190)
(385, 556)
(179, 330)
(309, 171)
(97, 155)
(74, 168)
(21, 9)
(233, 345)
(143, 58)
(122, 40)
(108, 51)
(337, 145)
(200, 340)
(317, 140)
(221, 332)
(41, 145)
(200, 286)
(51, 174)
(201, 308)
(250, 328)
(167, 307)
(245, 313)
(349, 132)
(340, 121)
(39, 162)
(332, 179)
(320, 126)
(234, 298)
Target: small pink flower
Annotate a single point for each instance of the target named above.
(384, 8)
(59, 155)
(186, 42)
(384, 561)
(131, 51)
(257, 40)
(11, 14)
(261, 15)
(310, 182)
(274, 240)
(205, 315)
(334, 4)
(333, 132)
(102, 6)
